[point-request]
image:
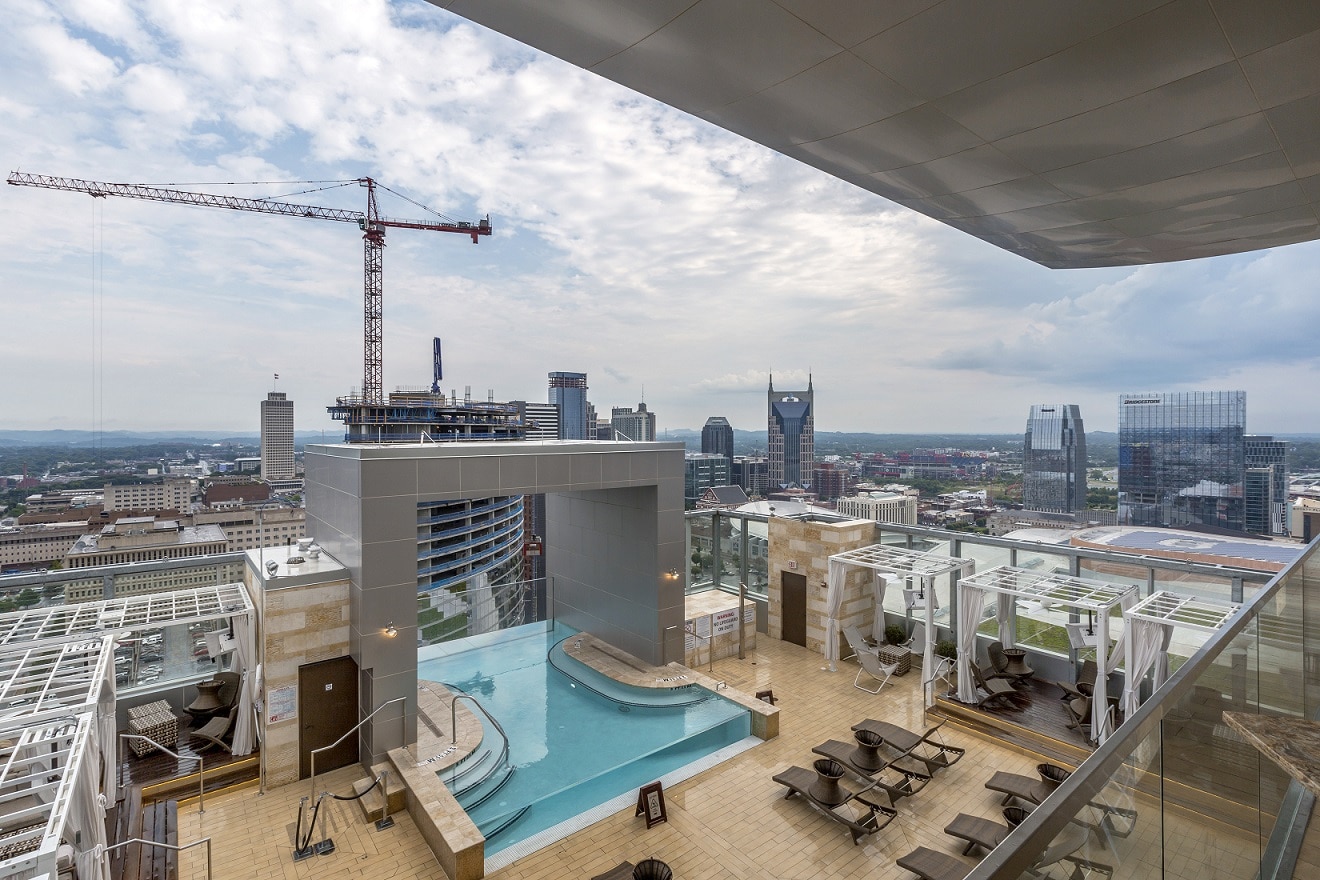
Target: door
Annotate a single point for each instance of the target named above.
(327, 709)
(794, 588)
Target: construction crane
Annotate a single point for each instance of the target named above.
(373, 228)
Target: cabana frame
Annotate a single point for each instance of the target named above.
(1011, 583)
(1151, 622)
(920, 565)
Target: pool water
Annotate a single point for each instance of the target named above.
(571, 746)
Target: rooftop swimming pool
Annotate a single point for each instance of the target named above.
(578, 741)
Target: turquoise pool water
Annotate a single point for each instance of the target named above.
(575, 742)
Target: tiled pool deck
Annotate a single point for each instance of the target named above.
(731, 821)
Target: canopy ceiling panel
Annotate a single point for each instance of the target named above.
(1073, 134)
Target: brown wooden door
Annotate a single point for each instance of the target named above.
(327, 709)
(795, 607)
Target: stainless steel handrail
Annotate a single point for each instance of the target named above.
(403, 717)
(201, 766)
(105, 854)
(453, 720)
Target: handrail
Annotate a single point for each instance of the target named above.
(201, 766)
(710, 644)
(453, 724)
(403, 716)
(105, 854)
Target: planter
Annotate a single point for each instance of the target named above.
(896, 654)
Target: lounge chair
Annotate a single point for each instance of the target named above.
(985, 833)
(873, 666)
(1086, 678)
(621, 871)
(226, 695)
(1025, 788)
(998, 662)
(875, 816)
(917, 746)
(858, 643)
(992, 688)
(929, 864)
(215, 730)
(908, 782)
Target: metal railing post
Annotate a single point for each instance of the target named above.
(201, 766)
(105, 854)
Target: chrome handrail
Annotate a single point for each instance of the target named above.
(105, 854)
(453, 722)
(201, 766)
(403, 716)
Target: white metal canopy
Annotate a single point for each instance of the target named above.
(70, 622)
(40, 771)
(900, 561)
(48, 680)
(1046, 588)
(1151, 624)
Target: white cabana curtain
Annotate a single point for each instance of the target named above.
(833, 604)
(878, 623)
(1120, 646)
(1162, 662)
(1147, 640)
(86, 817)
(971, 600)
(244, 661)
(106, 736)
(1005, 608)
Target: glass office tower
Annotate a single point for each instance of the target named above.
(1181, 459)
(791, 436)
(568, 391)
(1054, 459)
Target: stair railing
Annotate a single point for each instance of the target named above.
(453, 721)
(201, 766)
(403, 717)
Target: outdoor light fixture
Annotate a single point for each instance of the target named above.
(915, 600)
(672, 574)
(390, 631)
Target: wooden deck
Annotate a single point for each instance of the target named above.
(1035, 722)
(156, 767)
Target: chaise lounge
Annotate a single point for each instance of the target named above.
(929, 864)
(823, 790)
(913, 745)
(854, 759)
(1026, 789)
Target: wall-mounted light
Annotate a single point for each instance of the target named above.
(672, 574)
(390, 631)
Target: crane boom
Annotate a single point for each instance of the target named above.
(373, 228)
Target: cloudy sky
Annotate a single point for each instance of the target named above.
(632, 242)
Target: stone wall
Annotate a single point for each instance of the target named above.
(804, 547)
(299, 625)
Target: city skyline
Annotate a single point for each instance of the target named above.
(613, 215)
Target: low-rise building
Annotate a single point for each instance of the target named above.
(39, 544)
(890, 507)
(166, 495)
(247, 528)
(144, 539)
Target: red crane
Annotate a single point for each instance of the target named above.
(373, 228)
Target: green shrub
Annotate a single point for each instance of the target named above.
(895, 634)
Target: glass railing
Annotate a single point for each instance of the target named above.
(1176, 791)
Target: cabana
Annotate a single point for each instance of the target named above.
(57, 709)
(70, 623)
(1150, 626)
(1010, 584)
(911, 565)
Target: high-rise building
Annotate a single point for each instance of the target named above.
(1181, 459)
(276, 437)
(540, 420)
(1266, 485)
(792, 436)
(831, 480)
(752, 472)
(569, 391)
(628, 424)
(702, 471)
(1054, 459)
(717, 438)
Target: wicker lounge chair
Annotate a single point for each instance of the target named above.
(1025, 788)
(874, 816)
(928, 864)
(985, 833)
(908, 783)
(215, 730)
(993, 689)
(998, 662)
(934, 753)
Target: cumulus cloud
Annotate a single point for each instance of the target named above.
(632, 241)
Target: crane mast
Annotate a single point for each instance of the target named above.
(372, 224)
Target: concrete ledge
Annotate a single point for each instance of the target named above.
(457, 843)
(765, 717)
